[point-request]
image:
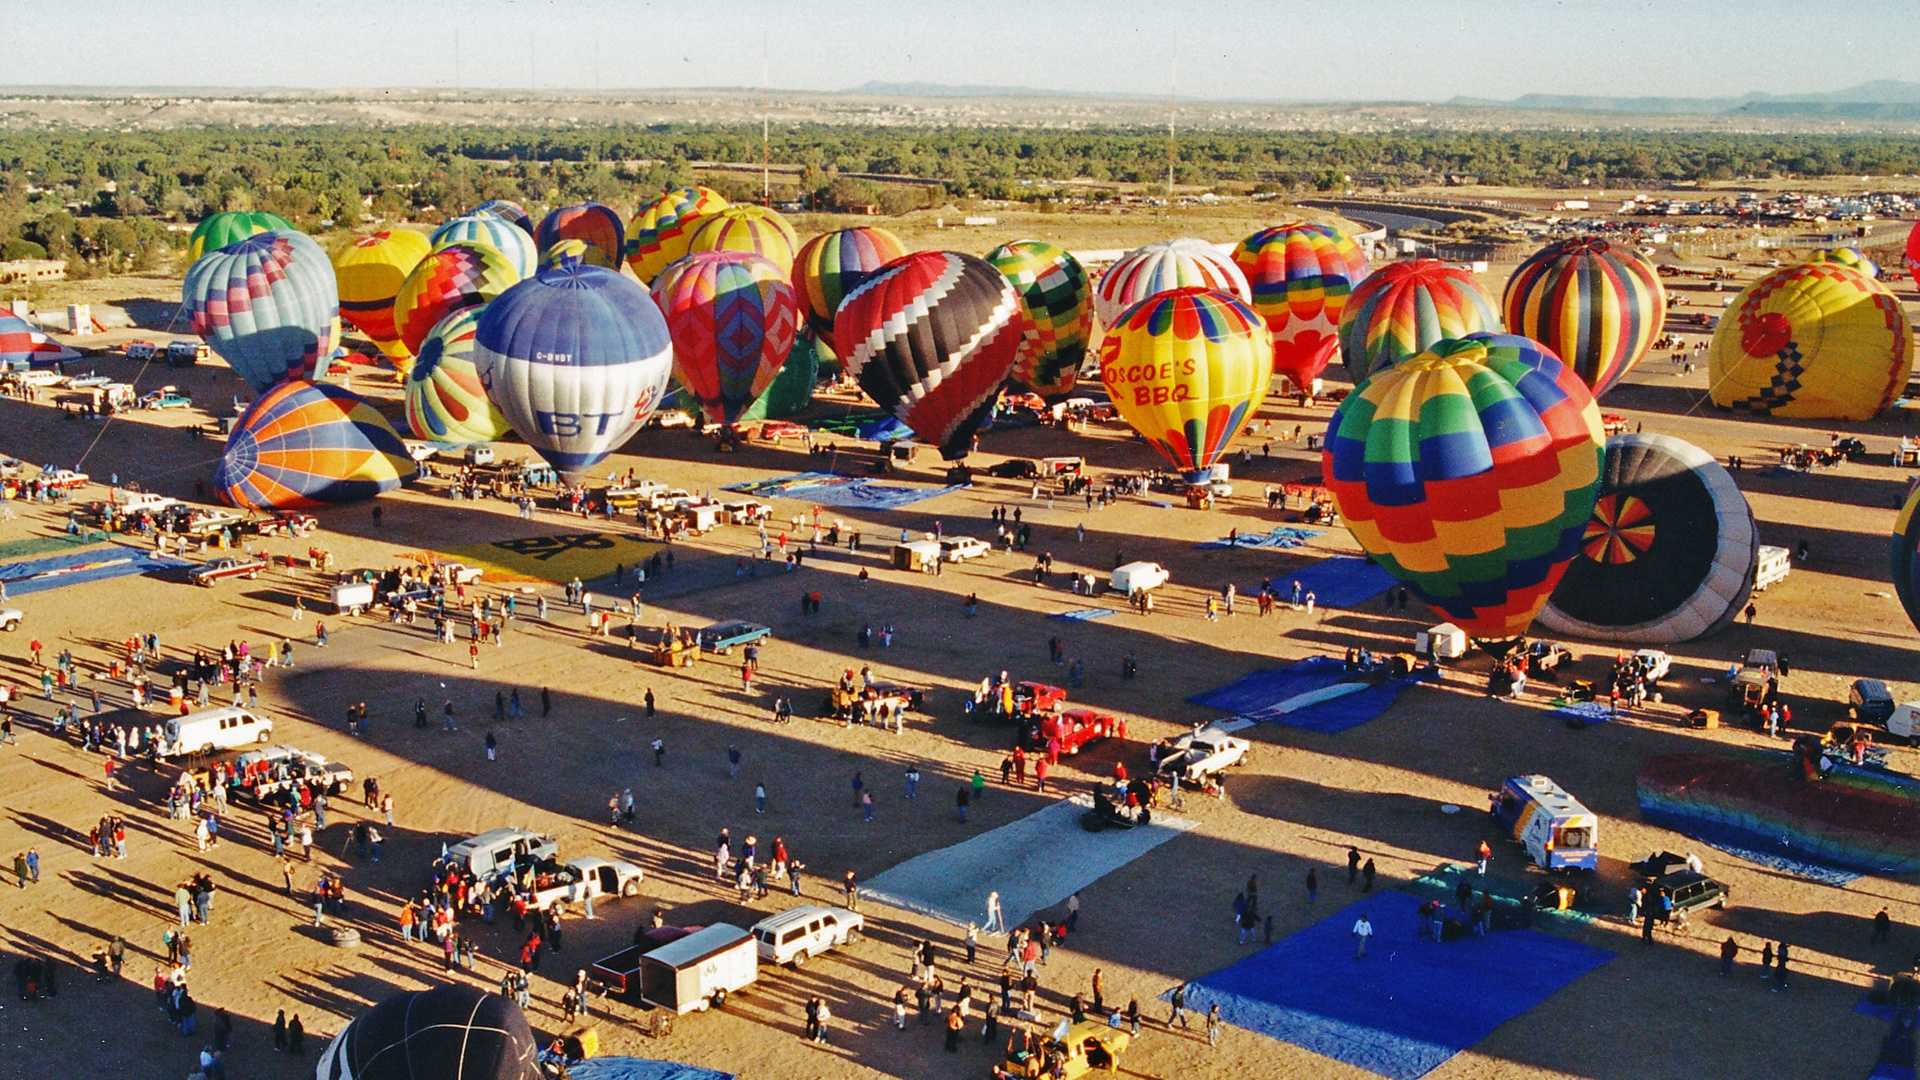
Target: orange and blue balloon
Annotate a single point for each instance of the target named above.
(599, 226)
(305, 444)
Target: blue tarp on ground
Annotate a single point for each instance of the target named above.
(884, 429)
(1740, 843)
(1405, 1008)
(832, 489)
(629, 1068)
(1586, 712)
(1086, 614)
(1343, 581)
(1318, 694)
(75, 568)
(1277, 539)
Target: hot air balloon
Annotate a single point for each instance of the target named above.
(746, 228)
(659, 232)
(503, 236)
(1469, 473)
(1159, 267)
(1594, 303)
(456, 276)
(834, 264)
(1403, 308)
(1187, 368)
(931, 338)
(600, 226)
(268, 305)
(577, 357)
(446, 402)
(216, 231)
(23, 347)
(451, 1032)
(1906, 555)
(1913, 253)
(1850, 257)
(1668, 555)
(1301, 275)
(732, 317)
(1811, 342)
(369, 270)
(1057, 300)
(792, 388)
(505, 211)
(306, 444)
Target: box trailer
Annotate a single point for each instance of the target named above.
(698, 971)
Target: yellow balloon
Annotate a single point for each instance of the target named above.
(1187, 368)
(369, 270)
(747, 228)
(1818, 341)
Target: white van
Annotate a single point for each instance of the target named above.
(145, 502)
(1771, 566)
(495, 853)
(1138, 576)
(1904, 722)
(799, 933)
(214, 729)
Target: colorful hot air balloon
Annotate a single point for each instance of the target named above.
(732, 317)
(216, 231)
(502, 235)
(1158, 267)
(1056, 299)
(506, 211)
(1187, 368)
(306, 444)
(746, 228)
(1468, 472)
(932, 338)
(1913, 253)
(577, 357)
(268, 305)
(600, 226)
(446, 402)
(1668, 554)
(1850, 257)
(1597, 305)
(369, 270)
(1403, 308)
(659, 232)
(1301, 275)
(1905, 553)
(834, 264)
(1811, 342)
(22, 347)
(456, 276)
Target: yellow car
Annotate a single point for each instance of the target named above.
(1085, 1046)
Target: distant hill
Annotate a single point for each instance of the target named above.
(951, 90)
(1883, 99)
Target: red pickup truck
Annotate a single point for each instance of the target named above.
(209, 572)
(1037, 697)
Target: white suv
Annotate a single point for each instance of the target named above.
(799, 933)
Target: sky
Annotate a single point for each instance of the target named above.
(1277, 49)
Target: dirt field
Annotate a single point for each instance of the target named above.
(1653, 1012)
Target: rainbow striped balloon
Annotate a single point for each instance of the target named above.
(747, 228)
(1403, 308)
(445, 401)
(1159, 267)
(659, 232)
(732, 317)
(1596, 304)
(600, 226)
(1301, 274)
(306, 444)
(454, 277)
(503, 235)
(1057, 300)
(1187, 368)
(1468, 472)
(833, 264)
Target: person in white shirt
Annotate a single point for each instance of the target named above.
(1362, 930)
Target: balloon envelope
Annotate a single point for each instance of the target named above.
(506, 211)
(833, 264)
(306, 444)
(1905, 554)
(1187, 368)
(1812, 342)
(577, 357)
(792, 388)
(268, 305)
(21, 346)
(1056, 298)
(1162, 266)
(451, 1032)
(1469, 472)
(1404, 308)
(1668, 555)
(1850, 257)
(1913, 253)
(747, 228)
(496, 232)
(1301, 275)
(216, 231)
(1596, 304)
(369, 271)
(599, 226)
(454, 277)
(732, 317)
(659, 232)
(932, 338)
(446, 402)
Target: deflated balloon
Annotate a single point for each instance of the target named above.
(305, 444)
(599, 226)
(496, 232)
(1469, 472)
(1159, 267)
(1812, 342)
(369, 271)
(1056, 298)
(747, 228)
(1596, 304)
(1403, 308)
(446, 402)
(268, 305)
(833, 264)
(1187, 368)
(932, 338)
(1301, 275)
(732, 317)
(454, 277)
(216, 231)
(659, 233)
(577, 357)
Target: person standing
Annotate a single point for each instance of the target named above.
(1729, 952)
(1882, 926)
(33, 865)
(1353, 863)
(996, 921)
(913, 780)
(1483, 857)
(1362, 930)
(1313, 884)
(760, 797)
(851, 886)
(1780, 967)
(1178, 999)
(1213, 1025)
(1366, 876)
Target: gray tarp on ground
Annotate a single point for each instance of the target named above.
(628, 1068)
(1034, 863)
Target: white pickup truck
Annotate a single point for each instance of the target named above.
(1199, 754)
(576, 879)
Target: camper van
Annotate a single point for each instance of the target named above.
(1558, 832)
(214, 729)
(1771, 567)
